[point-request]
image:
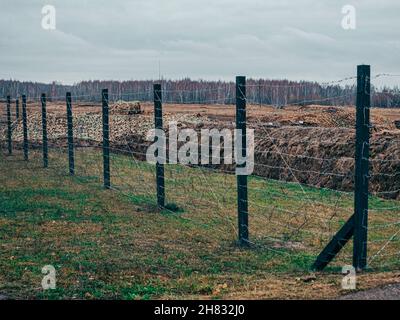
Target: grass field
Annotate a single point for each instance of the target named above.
(117, 244)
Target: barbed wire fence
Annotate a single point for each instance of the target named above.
(299, 195)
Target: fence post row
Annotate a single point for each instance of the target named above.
(158, 123)
(17, 109)
(357, 225)
(363, 105)
(106, 140)
(71, 161)
(9, 130)
(25, 128)
(243, 219)
(44, 131)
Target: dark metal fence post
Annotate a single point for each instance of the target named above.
(362, 167)
(357, 225)
(106, 140)
(243, 222)
(25, 128)
(71, 161)
(158, 122)
(44, 128)
(17, 109)
(9, 130)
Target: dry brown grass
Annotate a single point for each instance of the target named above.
(116, 244)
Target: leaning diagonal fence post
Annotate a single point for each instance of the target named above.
(243, 219)
(25, 128)
(106, 140)
(158, 123)
(44, 132)
(362, 167)
(70, 133)
(9, 130)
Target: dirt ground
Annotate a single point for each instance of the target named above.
(227, 112)
(313, 115)
(389, 292)
(313, 145)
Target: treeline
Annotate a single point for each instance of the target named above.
(271, 92)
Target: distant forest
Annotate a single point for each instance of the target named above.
(270, 92)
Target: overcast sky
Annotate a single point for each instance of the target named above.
(209, 39)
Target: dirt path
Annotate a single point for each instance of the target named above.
(389, 292)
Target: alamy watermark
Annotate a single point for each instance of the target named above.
(49, 17)
(49, 280)
(196, 150)
(349, 21)
(349, 280)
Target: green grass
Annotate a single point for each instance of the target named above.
(116, 244)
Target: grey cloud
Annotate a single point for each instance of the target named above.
(212, 39)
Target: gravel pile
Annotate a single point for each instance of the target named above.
(89, 126)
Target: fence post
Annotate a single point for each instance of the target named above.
(106, 140)
(70, 135)
(9, 130)
(362, 167)
(17, 109)
(357, 225)
(25, 128)
(44, 130)
(158, 123)
(243, 220)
